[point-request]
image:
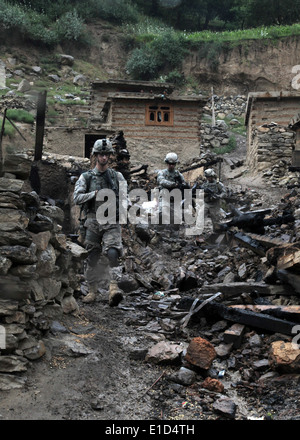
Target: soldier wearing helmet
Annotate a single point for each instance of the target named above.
(214, 192)
(168, 179)
(123, 164)
(102, 241)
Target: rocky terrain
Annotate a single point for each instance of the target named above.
(148, 359)
(155, 356)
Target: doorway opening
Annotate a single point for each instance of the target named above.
(89, 141)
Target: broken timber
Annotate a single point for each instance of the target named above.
(285, 256)
(230, 290)
(250, 243)
(247, 317)
(291, 313)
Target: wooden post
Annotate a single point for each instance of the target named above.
(213, 117)
(40, 125)
(1, 137)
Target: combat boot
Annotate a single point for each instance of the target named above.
(115, 294)
(91, 296)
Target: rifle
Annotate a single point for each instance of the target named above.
(181, 186)
(207, 192)
(200, 165)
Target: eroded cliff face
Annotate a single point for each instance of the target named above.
(252, 66)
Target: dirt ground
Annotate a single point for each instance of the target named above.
(94, 367)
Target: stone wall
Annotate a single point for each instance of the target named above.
(40, 273)
(270, 144)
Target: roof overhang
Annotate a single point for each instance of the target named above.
(267, 96)
(137, 85)
(154, 97)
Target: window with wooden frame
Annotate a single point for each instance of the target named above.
(159, 114)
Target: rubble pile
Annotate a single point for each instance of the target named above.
(39, 270)
(223, 309)
(216, 312)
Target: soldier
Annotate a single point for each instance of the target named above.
(103, 241)
(123, 164)
(214, 192)
(170, 178)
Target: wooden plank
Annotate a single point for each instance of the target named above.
(291, 313)
(249, 318)
(249, 243)
(234, 289)
(285, 256)
(266, 241)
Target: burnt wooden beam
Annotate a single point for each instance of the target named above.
(265, 241)
(291, 278)
(250, 243)
(40, 125)
(230, 290)
(290, 313)
(1, 137)
(249, 318)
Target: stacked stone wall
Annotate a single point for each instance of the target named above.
(270, 144)
(40, 272)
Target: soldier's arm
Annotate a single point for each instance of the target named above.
(169, 184)
(80, 194)
(222, 190)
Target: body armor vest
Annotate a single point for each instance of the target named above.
(97, 181)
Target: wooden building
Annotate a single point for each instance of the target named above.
(295, 126)
(267, 112)
(154, 120)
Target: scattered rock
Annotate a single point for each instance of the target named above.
(200, 353)
(226, 407)
(213, 385)
(164, 352)
(285, 357)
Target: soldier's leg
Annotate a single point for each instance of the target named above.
(96, 265)
(112, 249)
(216, 215)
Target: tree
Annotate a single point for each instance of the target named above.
(253, 13)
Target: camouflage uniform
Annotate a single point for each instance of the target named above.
(99, 238)
(169, 180)
(212, 199)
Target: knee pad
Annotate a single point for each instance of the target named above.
(93, 257)
(113, 257)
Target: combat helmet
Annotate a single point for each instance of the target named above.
(171, 158)
(210, 173)
(103, 146)
(124, 153)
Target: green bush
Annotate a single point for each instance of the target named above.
(11, 16)
(20, 115)
(118, 11)
(8, 128)
(175, 77)
(169, 49)
(143, 64)
(165, 51)
(231, 146)
(70, 26)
